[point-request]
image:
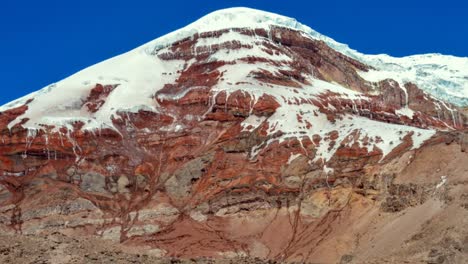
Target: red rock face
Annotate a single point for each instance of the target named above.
(97, 97)
(194, 178)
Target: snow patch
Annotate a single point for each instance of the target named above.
(443, 180)
(405, 111)
(293, 157)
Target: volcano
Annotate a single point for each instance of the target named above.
(246, 134)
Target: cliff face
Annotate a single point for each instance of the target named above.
(245, 141)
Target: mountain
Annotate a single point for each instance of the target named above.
(246, 134)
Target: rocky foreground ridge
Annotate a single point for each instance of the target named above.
(252, 138)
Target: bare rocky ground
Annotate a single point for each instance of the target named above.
(432, 230)
(57, 248)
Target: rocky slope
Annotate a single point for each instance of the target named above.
(245, 134)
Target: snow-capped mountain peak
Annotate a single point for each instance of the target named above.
(244, 134)
(319, 85)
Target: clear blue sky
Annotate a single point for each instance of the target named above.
(43, 41)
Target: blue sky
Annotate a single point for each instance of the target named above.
(48, 40)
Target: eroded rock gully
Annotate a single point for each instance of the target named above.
(193, 180)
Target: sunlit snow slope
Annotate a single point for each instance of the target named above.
(138, 76)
